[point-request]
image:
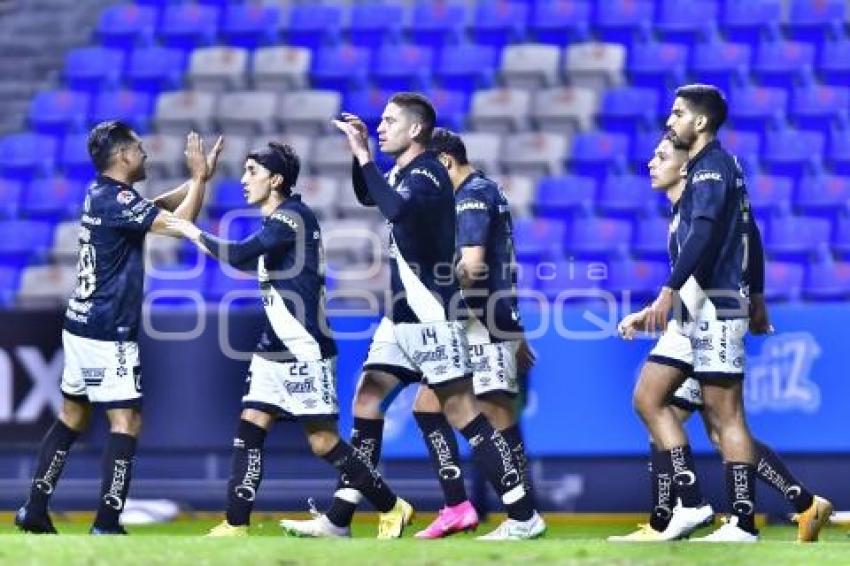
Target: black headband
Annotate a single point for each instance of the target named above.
(270, 159)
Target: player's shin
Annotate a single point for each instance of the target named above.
(362, 477)
(741, 490)
(663, 496)
(366, 440)
(513, 436)
(772, 471)
(445, 455)
(246, 472)
(117, 473)
(685, 481)
(51, 461)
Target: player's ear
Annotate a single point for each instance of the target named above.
(701, 122)
(415, 130)
(444, 159)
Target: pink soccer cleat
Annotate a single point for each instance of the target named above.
(462, 517)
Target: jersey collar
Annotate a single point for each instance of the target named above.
(106, 180)
(427, 154)
(469, 178)
(710, 146)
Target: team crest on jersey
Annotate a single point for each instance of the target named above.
(125, 197)
(702, 176)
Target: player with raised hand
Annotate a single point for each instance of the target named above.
(102, 319)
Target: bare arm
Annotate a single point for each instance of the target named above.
(471, 267)
(170, 200)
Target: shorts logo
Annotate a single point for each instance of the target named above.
(438, 354)
(305, 386)
(125, 197)
(702, 176)
(702, 344)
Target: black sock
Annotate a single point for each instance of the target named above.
(117, 473)
(513, 436)
(366, 439)
(362, 476)
(493, 455)
(246, 472)
(772, 471)
(685, 481)
(51, 461)
(445, 455)
(661, 479)
(741, 490)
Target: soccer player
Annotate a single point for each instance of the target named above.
(420, 329)
(102, 320)
(292, 373)
(674, 350)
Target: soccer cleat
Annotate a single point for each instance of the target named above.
(225, 529)
(450, 520)
(37, 524)
(644, 533)
(391, 524)
(317, 527)
(812, 520)
(117, 530)
(518, 530)
(686, 520)
(729, 532)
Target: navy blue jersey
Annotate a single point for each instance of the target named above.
(715, 190)
(483, 219)
(291, 273)
(107, 302)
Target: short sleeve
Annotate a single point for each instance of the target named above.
(281, 229)
(473, 220)
(708, 189)
(128, 210)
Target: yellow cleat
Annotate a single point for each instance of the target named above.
(391, 524)
(225, 529)
(811, 521)
(644, 533)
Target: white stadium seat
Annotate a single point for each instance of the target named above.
(534, 153)
(500, 110)
(46, 285)
(281, 68)
(218, 69)
(595, 65)
(247, 113)
(320, 193)
(332, 156)
(165, 155)
(529, 65)
(483, 150)
(519, 190)
(308, 111)
(66, 242)
(179, 112)
(564, 110)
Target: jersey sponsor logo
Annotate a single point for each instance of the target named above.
(94, 221)
(702, 176)
(84, 234)
(285, 219)
(779, 378)
(470, 204)
(425, 173)
(125, 197)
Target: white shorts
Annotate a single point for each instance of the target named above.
(436, 353)
(301, 390)
(493, 363)
(101, 371)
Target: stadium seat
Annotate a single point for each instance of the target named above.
(66, 242)
(498, 23)
(57, 112)
(372, 24)
(302, 144)
(813, 21)
(74, 158)
(8, 285)
(313, 25)
(217, 69)
(451, 106)
(231, 285)
(752, 107)
(483, 150)
(741, 144)
(125, 27)
(796, 237)
(251, 25)
(623, 21)
(834, 63)
(599, 238)
(132, 107)
(626, 109)
(349, 207)
(841, 242)
(165, 154)
(46, 285)
(10, 198)
(564, 196)
(155, 69)
(227, 195)
(321, 194)
(436, 24)
(651, 238)
(782, 63)
(53, 199)
(564, 110)
(308, 111)
(625, 195)
(341, 68)
(466, 67)
(643, 148)
(520, 191)
(332, 156)
(187, 26)
(657, 65)
(823, 194)
(788, 151)
(24, 240)
(350, 239)
(368, 104)
(769, 194)
(175, 285)
(534, 153)
(560, 22)
(783, 281)
(747, 22)
(179, 112)
(526, 278)
(815, 107)
(827, 280)
(594, 152)
(838, 151)
(402, 67)
(538, 239)
(725, 65)
(27, 155)
(231, 162)
(93, 68)
(281, 68)
(574, 281)
(529, 65)
(641, 279)
(595, 65)
(247, 113)
(500, 110)
(685, 20)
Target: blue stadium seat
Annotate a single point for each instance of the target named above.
(452, 107)
(155, 69)
(752, 107)
(570, 276)
(58, 111)
(625, 109)
(227, 196)
(834, 63)
(796, 237)
(782, 63)
(436, 24)
(823, 194)
(565, 195)
(827, 280)
(538, 239)
(127, 26)
(783, 281)
(598, 238)
(657, 65)
(24, 240)
(769, 194)
(594, 152)
(838, 151)
(561, 22)
(788, 151)
(93, 68)
(220, 284)
(27, 155)
(341, 68)
(814, 107)
(403, 68)
(622, 21)
(741, 144)
(8, 285)
(685, 20)
(53, 199)
(187, 26)
(813, 20)
(642, 279)
(175, 285)
(251, 25)
(132, 107)
(10, 198)
(720, 63)
(625, 195)
(643, 148)
(526, 276)
(466, 67)
(747, 22)
(74, 158)
(314, 25)
(373, 24)
(499, 22)
(369, 104)
(651, 238)
(841, 242)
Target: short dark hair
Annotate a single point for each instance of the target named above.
(280, 159)
(104, 139)
(448, 142)
(418, 105)
(708, 100)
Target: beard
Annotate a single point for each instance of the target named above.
(680, 142)
(139, 174)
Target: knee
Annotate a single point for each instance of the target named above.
(127, 422)
(322, 441)
(368, 399)
(459, 409)
(75, 415)
(641, 404)
(500, 415)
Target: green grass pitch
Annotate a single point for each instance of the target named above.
(570, 542)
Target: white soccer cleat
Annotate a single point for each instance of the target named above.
(729, 532)
(317, 527)
(518, 530)
(686, 520)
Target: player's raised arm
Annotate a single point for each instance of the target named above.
(170, 200)
(361, 191)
